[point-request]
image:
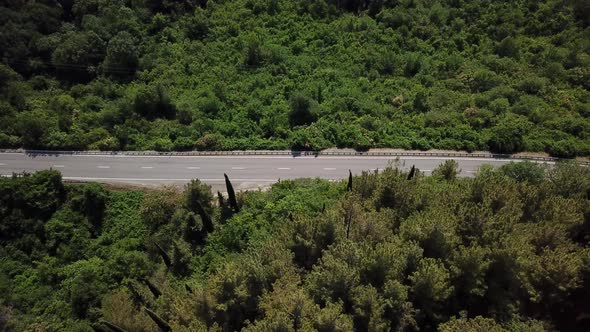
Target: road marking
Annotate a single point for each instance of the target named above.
(58, 166)
(156, 180)
(470, 171)
(329, 169)
(238, 168)
(2, 164)
(284, 168)
(425, 170)
(193, 167)
(146, 167)
(103, 166)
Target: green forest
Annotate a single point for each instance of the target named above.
(503, 76)
(506, 250)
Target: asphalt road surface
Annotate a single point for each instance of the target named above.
(246, 172)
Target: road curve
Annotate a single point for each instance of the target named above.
(246, 172)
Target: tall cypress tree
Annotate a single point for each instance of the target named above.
(162, 324)
(412, 172)
(153, 288)
(231, 194)
(112, 327)
(207, 223)
(164, 255)
(349, 186)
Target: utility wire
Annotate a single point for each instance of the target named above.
(118, 69)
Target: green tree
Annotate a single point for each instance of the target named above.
(301, 113)
(122, 55)
(153, 102)
(79, 55)
(524, 171)
(447, 170)
(507, 135)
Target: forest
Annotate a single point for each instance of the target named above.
(506, 250)
(503, 76)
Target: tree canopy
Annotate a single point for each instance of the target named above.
(505, 76)
(506, 250)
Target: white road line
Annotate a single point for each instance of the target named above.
(146, 167)
(157, 180)
(58, 166)
(103, 166)
(193, 167)
(470, 171)
(329, 169)
(2, 164)
(238, 168)
(425, 170)
(284, 168)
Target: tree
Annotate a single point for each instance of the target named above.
(524, 171)
(121, 58)
(507, 48)
(92, 203)
(349, 185)
(254, 56)
(301, 111)
(476, 324)
(430, 289)
(153, 102)
(507, 135)
(447, 170)
(412, 172)
(162, 324)
(33, 129)
(158, 206)
(78, 56)
(231, 194)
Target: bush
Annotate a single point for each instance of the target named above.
(563, 148)
(162, 144)
(210, 142)
(524, 171)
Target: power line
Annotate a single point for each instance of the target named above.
(111, 68)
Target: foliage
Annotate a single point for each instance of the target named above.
(306, 74)
(506, 250)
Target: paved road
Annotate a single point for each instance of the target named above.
(245, 171)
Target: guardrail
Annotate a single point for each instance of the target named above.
(291, 153)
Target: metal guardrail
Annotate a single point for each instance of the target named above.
(291, 153)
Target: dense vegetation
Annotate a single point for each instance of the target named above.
(305, 74)
(504, 251)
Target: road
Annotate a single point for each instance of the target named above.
(246, 172)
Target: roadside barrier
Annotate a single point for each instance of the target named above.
(292, 153)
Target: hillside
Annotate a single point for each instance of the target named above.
(504, 76)
(506, 250)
